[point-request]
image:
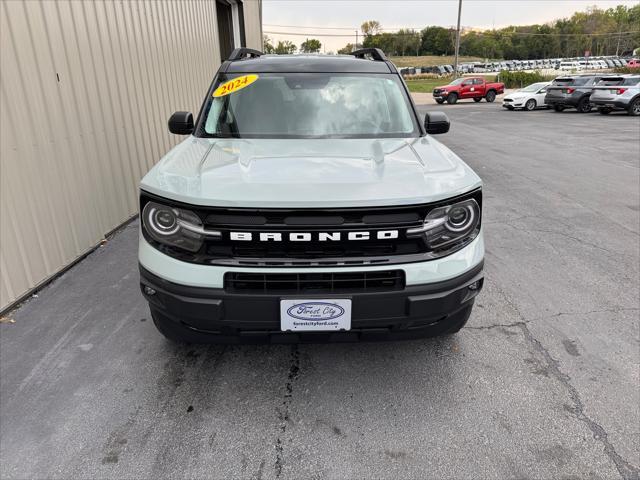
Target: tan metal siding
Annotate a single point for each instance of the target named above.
(253, 23)
(86, 89)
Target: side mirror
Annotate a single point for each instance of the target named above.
(436, 122)
(181, 123)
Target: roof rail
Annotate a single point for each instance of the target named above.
(240, 53)
(375, 53)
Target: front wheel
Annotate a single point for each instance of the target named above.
(604, 110)
(584, 106)
(452, 98)
(477, 99)
(530, 105)
(491, 96)
(634, 108)
(558, 108)
(440, 100)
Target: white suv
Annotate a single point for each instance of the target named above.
(309, 203)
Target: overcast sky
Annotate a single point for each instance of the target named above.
(393, 14)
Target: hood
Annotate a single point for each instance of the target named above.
(444, 87)
(516, 95)
(309, 173)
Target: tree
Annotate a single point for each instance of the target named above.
(371, 27)
(437, 41)
(267, 46)
(384, 41)
(348, 48)
(407, 42)
(285, 47)
(310, 46)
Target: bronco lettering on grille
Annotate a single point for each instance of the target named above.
(310, 237)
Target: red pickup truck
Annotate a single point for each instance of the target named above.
(468, 87)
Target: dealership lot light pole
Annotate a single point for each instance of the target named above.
(455, 66)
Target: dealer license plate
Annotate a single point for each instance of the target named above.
(314, 315)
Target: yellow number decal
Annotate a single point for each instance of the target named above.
(234, 85)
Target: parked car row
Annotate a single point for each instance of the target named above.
(562, 64)
(582, 92)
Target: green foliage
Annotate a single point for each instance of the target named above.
(403, 42)
(310, 46)
(371, 27)
(426, 85)
(627, 70)
(521, 79)
(285, 47)
(601, 32)
(437, 41)
(267, 46)
(348, 48)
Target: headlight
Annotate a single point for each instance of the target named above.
(175, 226)
(445, 226)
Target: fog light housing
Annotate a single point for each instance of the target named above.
(473, 289)
(149, 290)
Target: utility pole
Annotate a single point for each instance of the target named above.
(619, 35)
(455, 66)
(356, 45)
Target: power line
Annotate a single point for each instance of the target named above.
(316, 28)
(310, 34)
(334, 28)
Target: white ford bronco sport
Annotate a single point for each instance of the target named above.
(309, 203)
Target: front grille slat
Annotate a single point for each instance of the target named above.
(332, 282)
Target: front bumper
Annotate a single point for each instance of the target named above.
(192, 298)
(204, 315)
(512, 104)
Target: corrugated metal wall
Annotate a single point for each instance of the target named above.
(86, 88)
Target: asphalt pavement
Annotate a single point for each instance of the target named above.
(543, 383)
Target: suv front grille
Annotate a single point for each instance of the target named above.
(302, 235)
(294, 283)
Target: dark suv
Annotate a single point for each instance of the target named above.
(571, 92)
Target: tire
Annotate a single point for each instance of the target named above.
(490, 96)
(634, 108)
(530, 105)
(477, 99)
(440, 100)
(452, 98)
(584, 106)
(558, 108)
(604, 111)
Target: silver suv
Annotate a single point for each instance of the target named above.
(309, 203)
(619, 92)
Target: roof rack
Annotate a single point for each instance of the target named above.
(240, 53)
(375, 53)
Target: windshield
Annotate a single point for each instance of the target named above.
(457, 81)
(533, 87)
(309, 105)
(571, 81)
